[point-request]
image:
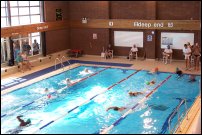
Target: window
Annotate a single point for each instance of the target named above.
(13, 3)
(35, 18)
(29, 39)
(27, 12)
(5, 55)
(4, 14)
(24, 20)
(14, 13)
(20, 12)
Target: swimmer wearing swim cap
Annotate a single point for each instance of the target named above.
(147, 83)
(22, 122)
(49, 96)
(68, 82)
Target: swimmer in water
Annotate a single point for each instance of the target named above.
(22, 122)
(134, 93)
(86, 70)
(154, 71)
(192, 78)
(46, 90)
(179, 73)
(151, 82)
(68, 81)
(115, 108)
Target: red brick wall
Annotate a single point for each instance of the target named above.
(145, 10)
(56, 40)
(177, 10)
(82, 38)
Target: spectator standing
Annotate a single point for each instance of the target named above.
(187, 54)
(16, 48)
(196, 51)
(35, 47)
(26, 48)
(167, 53)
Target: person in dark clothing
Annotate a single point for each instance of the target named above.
(192, 78)
(26, 48)
(115, 108)
(135, 93)
(179, 73)
(22, 122)
(109, 52)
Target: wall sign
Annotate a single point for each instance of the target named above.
(58, 14)
(153, 24)
(149, 37)
(111, 24)
(42, 27)
(94, 35)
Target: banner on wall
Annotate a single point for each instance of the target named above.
(176, 40)
(58, 14)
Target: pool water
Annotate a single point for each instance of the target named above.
(89, 118)
(35, 91)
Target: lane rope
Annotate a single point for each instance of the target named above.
(85, 102)
(34, 101)
(106, 130)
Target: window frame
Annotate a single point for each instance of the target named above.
(7, 7)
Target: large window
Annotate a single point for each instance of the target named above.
(25, 12)
(14, 13)
(32, 39)
(4, 14)
(5, 55)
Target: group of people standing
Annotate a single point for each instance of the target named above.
(192, 51)
(21, 55)
(26, 48)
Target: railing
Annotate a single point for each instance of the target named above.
(63, 57)
(60, 63)
(178, 116)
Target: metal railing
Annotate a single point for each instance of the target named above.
(63, 57)
(179, 118)
(62, 65)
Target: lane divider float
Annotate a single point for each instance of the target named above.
(86, 101)
(106, 130)
(51, 93)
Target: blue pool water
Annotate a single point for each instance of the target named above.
(35, 91)
(149, 117)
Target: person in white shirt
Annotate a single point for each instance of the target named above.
(167, 53)
(133, 52)
(187, 54)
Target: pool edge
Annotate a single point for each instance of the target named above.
(185, 125)
(21, 85)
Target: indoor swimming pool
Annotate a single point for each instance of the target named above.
(81, 107)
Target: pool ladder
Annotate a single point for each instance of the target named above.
(61, 62)
(178, 116)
